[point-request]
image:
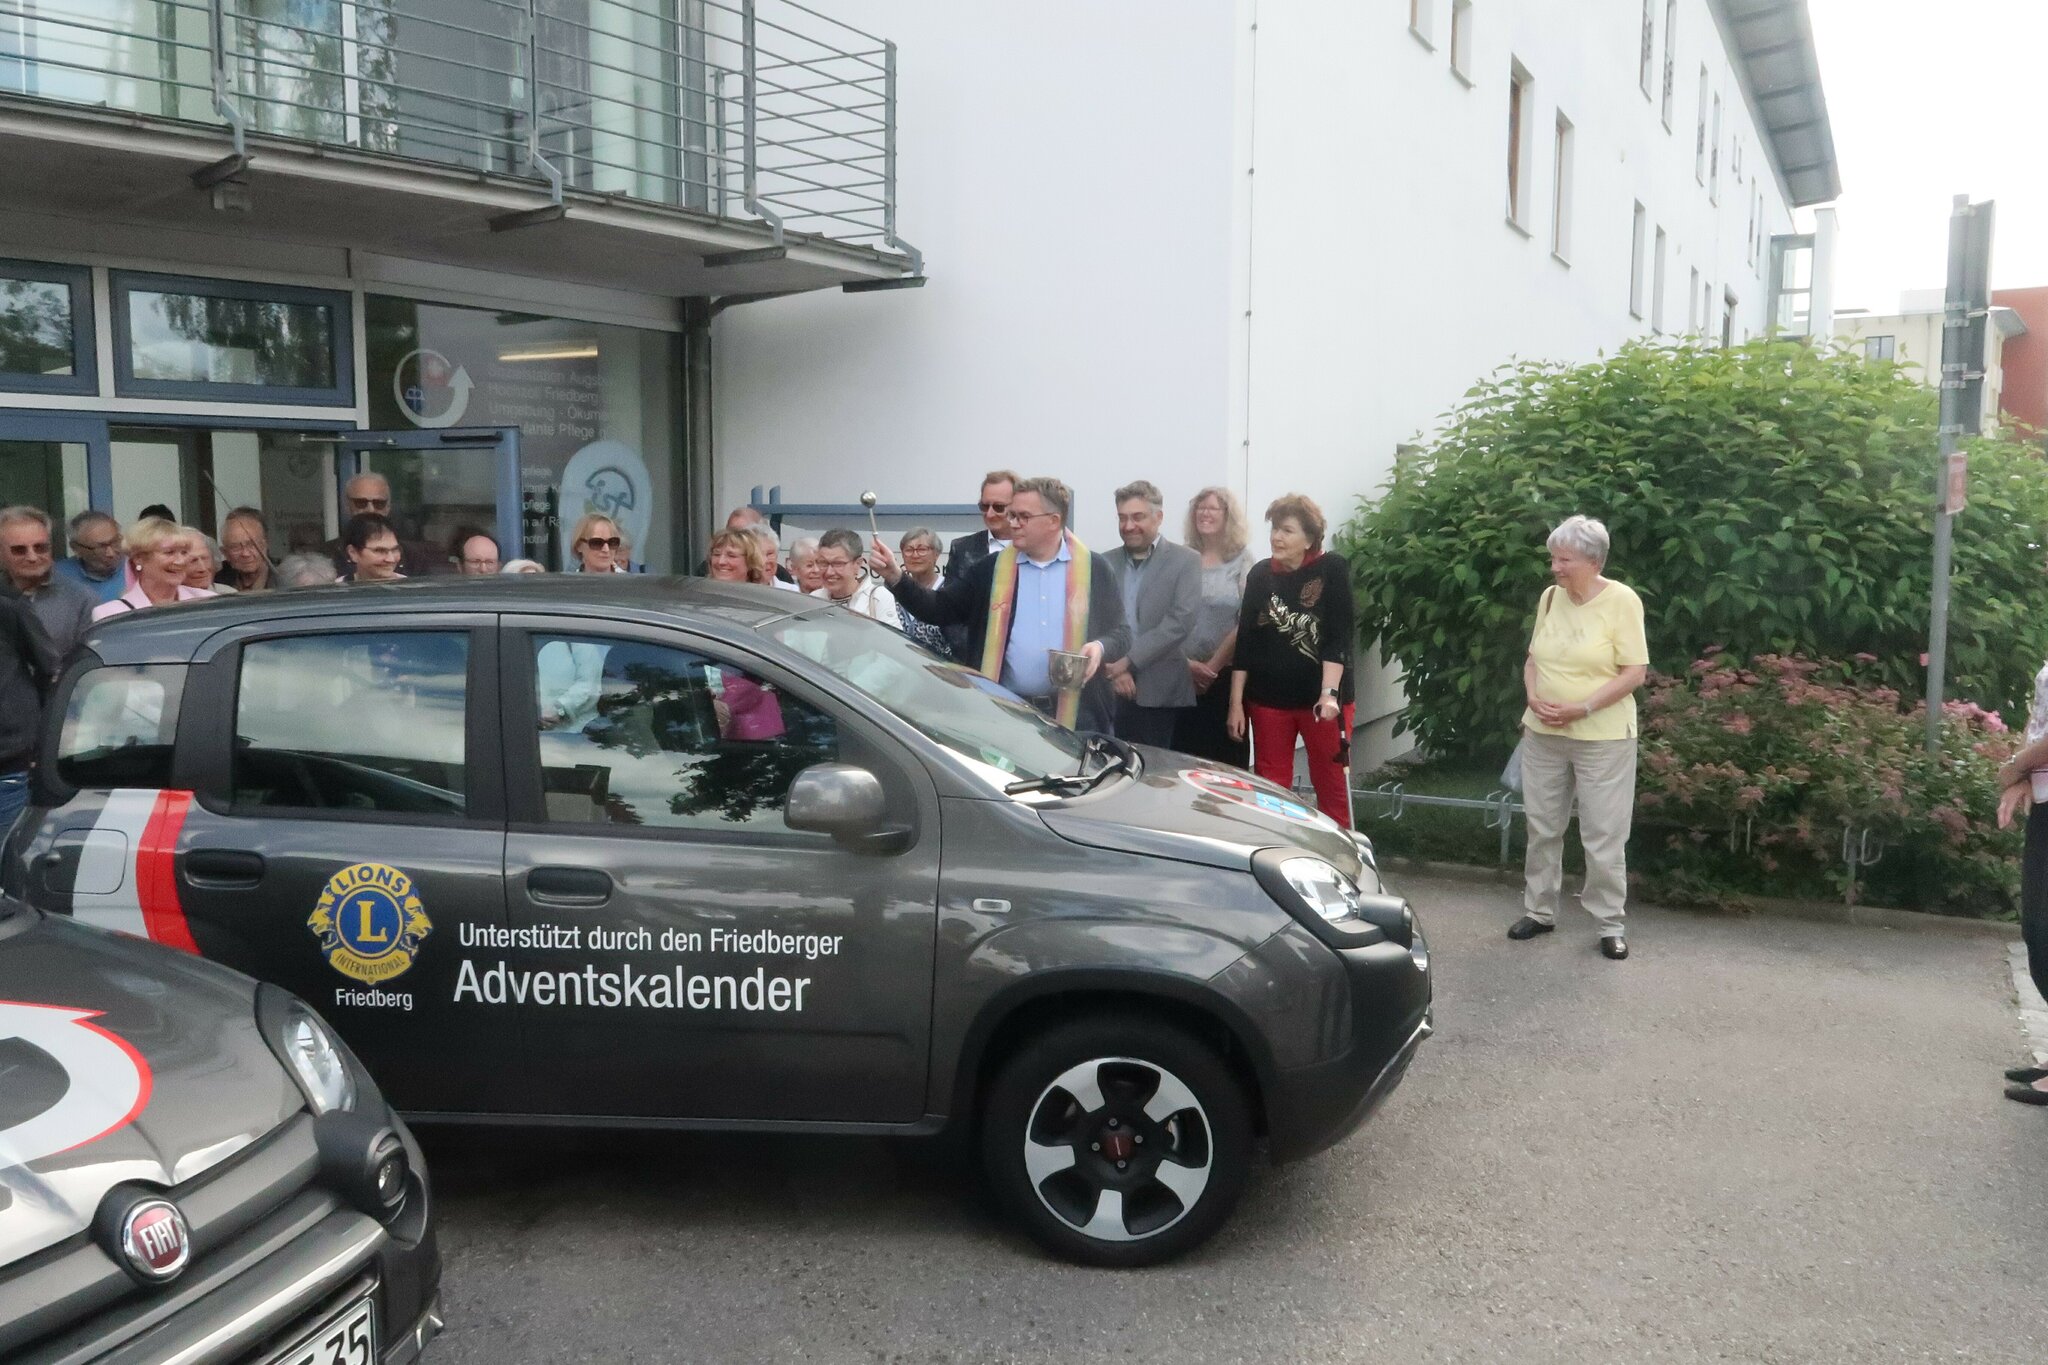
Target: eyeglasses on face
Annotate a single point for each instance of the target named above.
(489, 562)
(370, 504)
(40, 547)
(94, 547)
(603, 542)
(993, 506)
(1019, 518)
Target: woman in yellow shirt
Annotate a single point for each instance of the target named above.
(1587, 656)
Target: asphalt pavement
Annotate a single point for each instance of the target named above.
(1755, 1140)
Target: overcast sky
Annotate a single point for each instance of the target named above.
(1890, 69)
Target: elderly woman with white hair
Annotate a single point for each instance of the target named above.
(1587, 656)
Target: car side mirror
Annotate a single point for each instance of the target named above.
(844, 801)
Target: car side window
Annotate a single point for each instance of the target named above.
(119, 726)
(631, 733)
(361, 721)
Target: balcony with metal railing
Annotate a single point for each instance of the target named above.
(755, 137)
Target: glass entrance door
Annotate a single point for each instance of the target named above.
(445, 484)
(46, 461)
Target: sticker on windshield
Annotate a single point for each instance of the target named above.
(369, 922)
(1244, 792)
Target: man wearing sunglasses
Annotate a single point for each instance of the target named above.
(369, 495)
(63, 607)
(998, 486)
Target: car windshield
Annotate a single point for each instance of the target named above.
(954, 706)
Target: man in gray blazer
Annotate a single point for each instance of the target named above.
(1161, 586)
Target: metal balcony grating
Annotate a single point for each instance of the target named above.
(761, 110)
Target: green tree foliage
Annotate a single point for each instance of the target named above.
(1767, 499)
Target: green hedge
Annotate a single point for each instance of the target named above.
(1766, 498)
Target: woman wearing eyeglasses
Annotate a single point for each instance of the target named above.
(597, 545)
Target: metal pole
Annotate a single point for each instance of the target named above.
(1956, 308)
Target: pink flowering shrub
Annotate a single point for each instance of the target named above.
(1751, 772)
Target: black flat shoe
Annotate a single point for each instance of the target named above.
(1528, 928)
(2026, 1075)
(2026, 1094)
(1615, 946)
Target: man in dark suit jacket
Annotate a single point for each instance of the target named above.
(998, 486)
(1160, 584)
(1045, 558)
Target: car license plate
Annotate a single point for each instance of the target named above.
(347, 1338)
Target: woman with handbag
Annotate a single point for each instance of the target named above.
(1587, 656)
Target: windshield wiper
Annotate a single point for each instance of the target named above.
(1051, 782)
(1116, 759)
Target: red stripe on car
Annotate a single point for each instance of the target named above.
(156, 879)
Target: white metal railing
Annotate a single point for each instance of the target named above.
(762, 108)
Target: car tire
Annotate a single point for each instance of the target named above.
(1082, 1097)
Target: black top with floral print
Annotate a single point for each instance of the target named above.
(1291, 624)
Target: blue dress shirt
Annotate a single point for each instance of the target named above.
(1038, 622)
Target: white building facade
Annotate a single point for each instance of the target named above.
(1264, 243)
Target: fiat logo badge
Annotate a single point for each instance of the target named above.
(155, 1241)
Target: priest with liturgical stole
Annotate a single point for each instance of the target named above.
(1046, 592)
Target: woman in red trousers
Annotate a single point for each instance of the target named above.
(1291, 675)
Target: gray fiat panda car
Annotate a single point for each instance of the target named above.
(641, 851)
(192, 1168)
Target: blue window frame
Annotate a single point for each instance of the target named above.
(231, 340)
(46, 329)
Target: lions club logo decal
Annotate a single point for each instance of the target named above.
(369, 922)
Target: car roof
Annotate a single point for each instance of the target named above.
(171, 634)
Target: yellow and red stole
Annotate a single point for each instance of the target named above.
(1002, 605)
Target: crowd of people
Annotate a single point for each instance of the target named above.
(1196, 645)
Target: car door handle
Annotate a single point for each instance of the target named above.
(223, 867)
(569, 885)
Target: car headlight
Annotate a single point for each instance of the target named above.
(1330, 902)
(1322, 887)
(308, 1049)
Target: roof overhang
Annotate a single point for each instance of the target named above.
(1773, 40)
(96, 164)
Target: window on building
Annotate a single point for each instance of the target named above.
(1728, 318)
(1637, 253)
(1659, 262)
(1791, 296)
(1670, 58)
(1521, 103)
(1461, 38)
(1648, 63)
(46, 339)
(1880, 348)
(1561, 191)
(1421, 21)
(1699, 156)
(1692, 301)
(358, 722)
(1707, 307)
(1714, 157)
(596, 404)
(231, 339)
(1756, 209)
(654, 737)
